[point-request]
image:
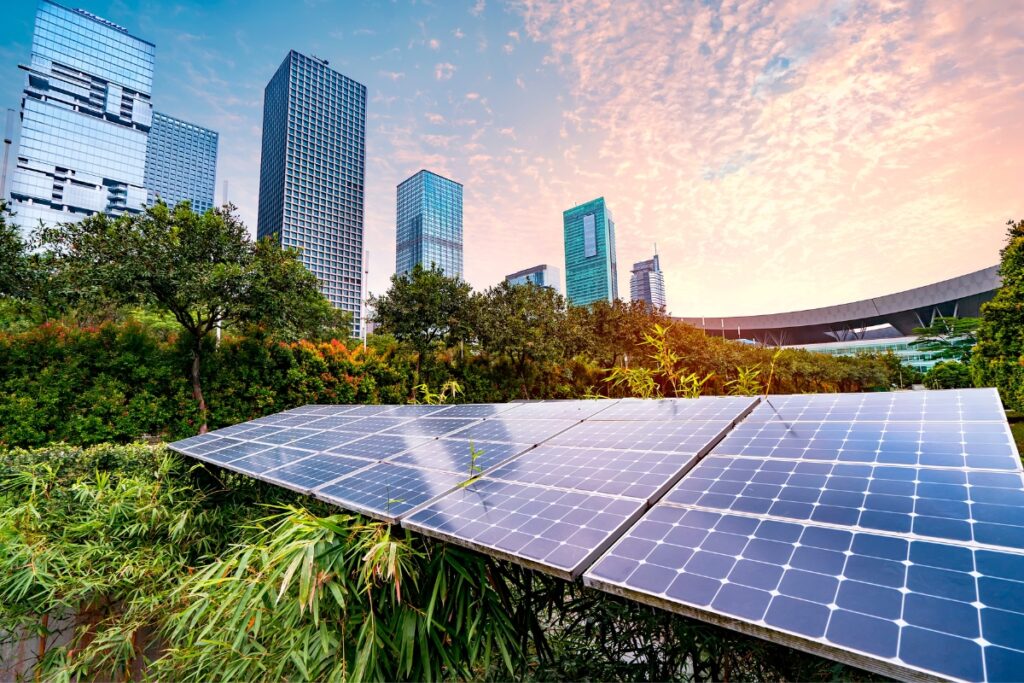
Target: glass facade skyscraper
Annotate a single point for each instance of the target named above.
(591, 270)
(181, 162)
(429, 224)
(542, 276)
(311, 174)
(647, 283)
(86, 114)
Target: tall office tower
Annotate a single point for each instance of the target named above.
(311, 174)
(181, 162)
(429, 224)
(591, 272)
(86, 114)
(647, 283)
(542, 276)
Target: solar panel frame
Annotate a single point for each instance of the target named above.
(957, 405)
(705, 408)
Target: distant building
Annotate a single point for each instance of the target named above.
(181, 162)
(591, 272)
(86, 115)
(900, 346)
(542, 275)
(428, 227)
(311, 174)
(647, 283)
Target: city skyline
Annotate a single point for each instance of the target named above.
(765, 150)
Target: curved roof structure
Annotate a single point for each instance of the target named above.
(958, 297)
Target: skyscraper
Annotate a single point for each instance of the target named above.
(591, 272)
(181, 162)
(542, 276)
(86, 114)
(647, 283)
(429, 224)
(311, 173)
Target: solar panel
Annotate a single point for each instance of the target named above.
(323, 441)
(279, 437)
(983, 445)
(372, 425)
(557, 531)
(227, 453)
(453, 455)
(415, 410)
(307, 474)
(956, 405)
(480, 409)
(679, 437)
(679, 409)
(387, 491)
(504, 430)
(868, 599)
(645, 475)
(268, 459)
(562, 410)
(432, 426)
(333, 422)
(321, 410)
(954, 504)
(379, 446)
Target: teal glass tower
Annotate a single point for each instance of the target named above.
(428, 227)
(86, 115)
(311, 174)
(591, 271)
(181, 162)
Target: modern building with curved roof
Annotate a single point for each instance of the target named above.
(892, 315)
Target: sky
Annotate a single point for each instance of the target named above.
(780, 155)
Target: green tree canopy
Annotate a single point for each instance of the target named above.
(949, 374)
(999, 356)
(422, 308)
(202, 268)
(524, 323)
(948, 338)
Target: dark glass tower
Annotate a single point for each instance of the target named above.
(647, 283)
(311, 174)
(429, 224)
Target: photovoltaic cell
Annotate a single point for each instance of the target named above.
(372, 425)
(557, 531)
(324, 441)
(379, 446)
(562, 410)
(314, 471)
(916, 604)
(503, 430)
(321, 410)
(644, 475)
(480, 409)
(679, 409)
(279, 437)
(234, 451)
(953, 504)
(954, 405)
(678, 437)
(982, 445)
(415, 410)
(453, 455)
(387, 491)
(333, 422)
(268, 459)
(438, 426)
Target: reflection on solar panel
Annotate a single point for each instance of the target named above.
(480, 409)
(268, 459)
(309, 473)
(387, 491)
(895, 543)
(559, 532)
(414, 410)
(634, 474)
(452, 455)
(379, 446)
(437, 426)
(679, 437)
(504, 430)
(561, 410)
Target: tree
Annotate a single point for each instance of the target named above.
(948, 338)
(523, 323)
(13, 257)
(201, 268)
(999, 356)
(423, 308)
(949, 374)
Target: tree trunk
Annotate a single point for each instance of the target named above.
(197, 389)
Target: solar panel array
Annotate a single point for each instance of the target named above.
(884, 530)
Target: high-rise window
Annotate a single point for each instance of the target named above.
(86, 116)
(181, 162)
(311, 174)
(429, 224)
(591, 271)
